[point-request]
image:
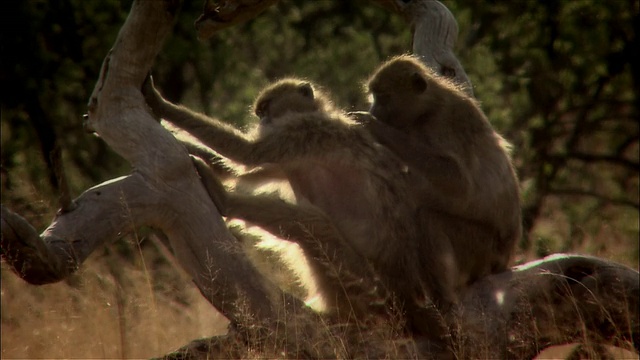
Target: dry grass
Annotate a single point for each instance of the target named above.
(140, 305)
(113, 308)
(101, 313)
(561, 352)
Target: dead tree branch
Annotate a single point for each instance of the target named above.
(514, 315)
(435, 31)
(64, 201)
(221, 14)
(163, 192)
(557, 300)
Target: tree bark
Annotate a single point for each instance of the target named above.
(222, 14)
(435, 31)
(557, 300)
(163, 192)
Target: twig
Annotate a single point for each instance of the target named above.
(64, 201)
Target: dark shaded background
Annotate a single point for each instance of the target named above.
(560, 79)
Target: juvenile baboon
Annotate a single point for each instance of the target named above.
(467, 186)
(338, 170)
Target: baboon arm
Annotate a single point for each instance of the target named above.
(301, 224)
(229, 141)
(305, 225)
(352, 276)
(221, 137)
(214, 187)
(343, 269)
(260, 176)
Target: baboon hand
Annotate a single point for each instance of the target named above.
(214, 187)
(362, 117)
(370, 122)
(152, 96)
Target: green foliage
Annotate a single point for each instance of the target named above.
(558, 79)
(314, 40)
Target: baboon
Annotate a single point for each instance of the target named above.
(467, 189)
(347, 285)
(337, 171)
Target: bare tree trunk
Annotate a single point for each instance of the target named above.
(163, 192)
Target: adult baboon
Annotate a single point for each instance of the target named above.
(466, 177)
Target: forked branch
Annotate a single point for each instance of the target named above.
(163, 192)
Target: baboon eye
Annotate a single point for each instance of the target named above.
(448, 72)
(306, 90)
(261, 109)
(418, 82)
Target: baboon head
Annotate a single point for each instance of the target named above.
(404, 91)
(285, 97)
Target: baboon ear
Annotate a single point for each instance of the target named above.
(418, 82)
(306, 90)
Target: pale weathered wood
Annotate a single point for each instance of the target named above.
(434, 38)
(197, 234)
(164, 191)
(221, 14)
